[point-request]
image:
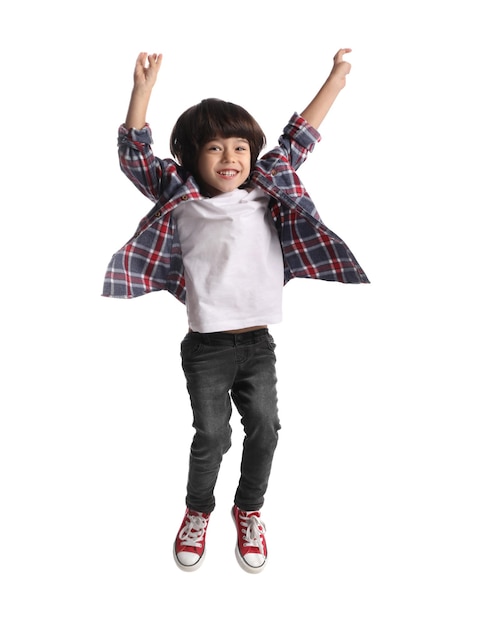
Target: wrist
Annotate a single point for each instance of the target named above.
(336, 82)
(141, 91)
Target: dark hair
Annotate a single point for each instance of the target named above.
(208, 119)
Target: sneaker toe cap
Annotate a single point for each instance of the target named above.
(255, 559)
(188, 559)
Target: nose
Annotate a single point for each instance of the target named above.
(228, 155)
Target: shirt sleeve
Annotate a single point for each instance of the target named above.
(298, 140)
(138, 162)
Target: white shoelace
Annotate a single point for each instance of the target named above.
(254, 532)
(193, 531)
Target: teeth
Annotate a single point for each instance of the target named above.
(228, 173)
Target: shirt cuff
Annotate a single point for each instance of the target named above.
(301, 131)
(135, 135)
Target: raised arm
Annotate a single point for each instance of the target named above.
(318, 108)
(144, 78)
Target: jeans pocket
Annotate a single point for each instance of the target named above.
(190, 347)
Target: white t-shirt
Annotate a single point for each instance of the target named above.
(233, 261)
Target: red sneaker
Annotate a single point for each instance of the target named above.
(251, 549)
(189, 546)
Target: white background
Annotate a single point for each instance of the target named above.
(375, 510)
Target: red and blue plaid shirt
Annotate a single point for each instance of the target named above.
(152, 259)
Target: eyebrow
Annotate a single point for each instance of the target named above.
(219, 138)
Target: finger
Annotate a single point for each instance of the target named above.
(155, 60)
(339, 56)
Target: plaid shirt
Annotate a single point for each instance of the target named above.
(152, 259)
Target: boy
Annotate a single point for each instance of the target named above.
(226, 233)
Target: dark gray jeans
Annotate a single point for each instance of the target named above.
(218, 367)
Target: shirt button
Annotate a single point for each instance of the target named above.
(158, 213)
(184, 197)
(273, 172)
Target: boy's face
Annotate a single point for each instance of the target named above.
(224, 164)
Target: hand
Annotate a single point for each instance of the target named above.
(318, 108)
(145, 74)
(340, 67)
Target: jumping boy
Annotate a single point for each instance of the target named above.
(227, 231)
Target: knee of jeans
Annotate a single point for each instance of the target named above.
(264, 430)
(214, 439)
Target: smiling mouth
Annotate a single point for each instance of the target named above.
(229, 173)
